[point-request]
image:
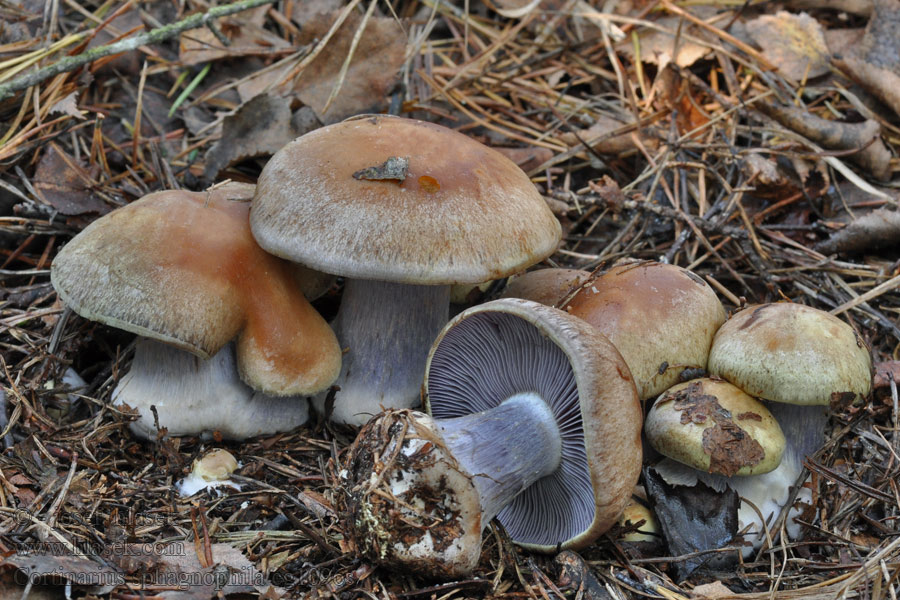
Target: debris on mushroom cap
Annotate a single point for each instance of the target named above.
(405, 500)
(713, 426)
(792, 353)
(535, 418)
(662, 318)
(459, 212)
(183, 268)
(547, 286)
(210, 471)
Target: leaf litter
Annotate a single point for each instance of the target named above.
(654, 130)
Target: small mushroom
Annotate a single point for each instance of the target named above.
(661, 317)
(402, 209)
(210, 471)
(182, 270)
(534, 420)
(713, 426)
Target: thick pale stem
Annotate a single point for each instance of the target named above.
(192, 395)
(387, 329)
(505, 449)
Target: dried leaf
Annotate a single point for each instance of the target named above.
(793, 43)
(372, 72)
(231, 573)
(659, 47)
(65, 184)
(259, 127)
(877, 229)
(245, 34)
(711, 591)
(68, 106)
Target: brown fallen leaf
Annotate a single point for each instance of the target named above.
(793, 43)
(259, 127)
(372, 72)
(68, 105)
(65, 184)
(873, 155)
(875, 63)
(245, 34)
(601, 138)
(231, 573)
(842, 41)
(877, 229)
(711, 591)
(659, 47)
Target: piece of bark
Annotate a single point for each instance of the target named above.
(873, 155)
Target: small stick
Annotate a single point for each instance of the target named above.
(155, 36)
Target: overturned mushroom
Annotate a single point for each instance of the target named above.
(402, 209)
(534, 419)
(182, 270)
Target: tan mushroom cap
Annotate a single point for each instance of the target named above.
(459, 213)
(713, 426)
(183, 268)
(792, 353)
(547, 286)
(662, 318)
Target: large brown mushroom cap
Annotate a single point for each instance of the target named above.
(792, 353)
(460, 212)
(662, 318)
(183, 268)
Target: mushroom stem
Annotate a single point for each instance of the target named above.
(803, 427)
(194, 395)
(388, 328)
(505, 449)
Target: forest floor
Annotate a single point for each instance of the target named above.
(754, 143)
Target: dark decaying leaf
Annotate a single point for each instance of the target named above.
(575, 574)
(260, 127)
(693, 518)
(65, 184)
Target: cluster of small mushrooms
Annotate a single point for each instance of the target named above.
(532, 402)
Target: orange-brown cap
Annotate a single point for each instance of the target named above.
(183, 268)
(662, 318)
(792, 353)
(547, 286)
(394, 199)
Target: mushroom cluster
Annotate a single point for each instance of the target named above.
(777, 368)
(228, 342)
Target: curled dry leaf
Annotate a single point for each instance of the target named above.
(875, 64)
(65, 184)
(877, 229)
(601, 137)
(793, 43)
(245, 34)
(259, 127)
(372, 72)
(874, 156)
(662, 47)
